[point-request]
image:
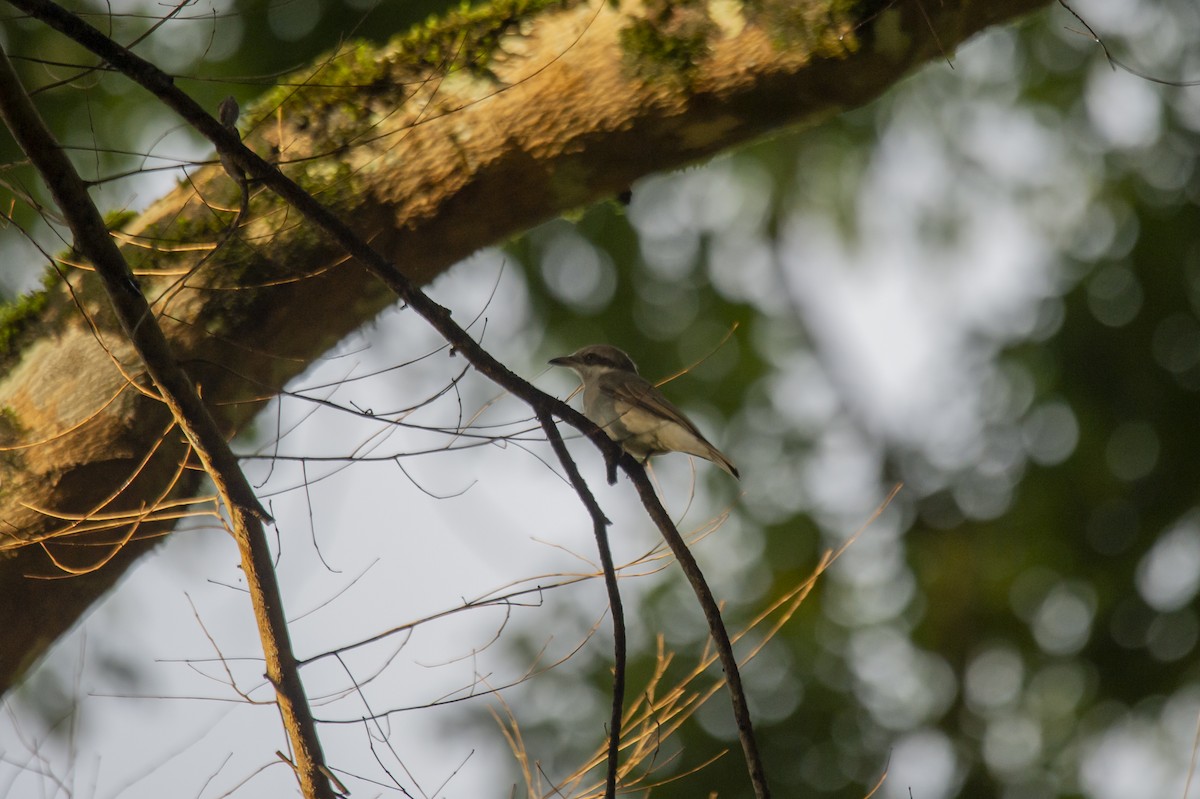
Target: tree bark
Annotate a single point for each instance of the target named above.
(451, 139)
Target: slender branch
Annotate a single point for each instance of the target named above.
(177, 392)
(231, 148)
(599, 526)
(712, 614)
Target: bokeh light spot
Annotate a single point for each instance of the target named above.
(1050, 433)
(1169, 574)
(1132, 451)
(1063, 623)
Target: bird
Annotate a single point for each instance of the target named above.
(632, 411)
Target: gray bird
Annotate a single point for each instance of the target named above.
(632, 411)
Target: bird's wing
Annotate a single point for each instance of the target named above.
(641, 394)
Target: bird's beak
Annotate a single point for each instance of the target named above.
(563, 360)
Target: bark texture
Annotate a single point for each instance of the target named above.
(445, 141)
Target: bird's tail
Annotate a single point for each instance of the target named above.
(716, 456)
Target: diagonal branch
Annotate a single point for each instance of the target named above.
(712, 614)
(177, 392)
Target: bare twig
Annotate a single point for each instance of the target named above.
(599, 526)
(1115, 62)
(178, 393)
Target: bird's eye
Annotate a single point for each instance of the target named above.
(591, 358)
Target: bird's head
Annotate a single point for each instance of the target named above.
(596, 359)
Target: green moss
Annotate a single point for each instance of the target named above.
(115, 220)
(670, 41)
(467, 37)
(463, 38)
(15, 317)
(10, 425)
(354, 64)
(654, 54)
(827, 30)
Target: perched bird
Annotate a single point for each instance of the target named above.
(632, 411)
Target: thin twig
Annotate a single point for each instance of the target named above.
(177, 392)
(1115, 62)
(599, 527)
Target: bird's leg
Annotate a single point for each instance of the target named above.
(610, 463)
